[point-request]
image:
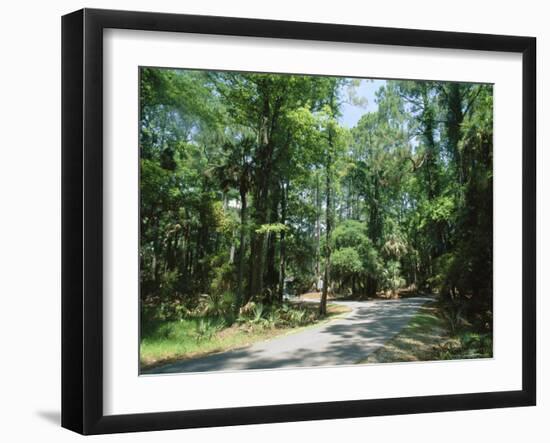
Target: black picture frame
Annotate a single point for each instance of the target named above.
(82, 218)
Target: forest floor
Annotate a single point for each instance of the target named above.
(343, 341)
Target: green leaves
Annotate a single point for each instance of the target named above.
(274, 228)
(391, 276)
(350, 233)
(354, 253)
(441, 209)
(346, 262)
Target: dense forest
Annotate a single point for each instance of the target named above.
(252, 188)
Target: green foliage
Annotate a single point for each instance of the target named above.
(346, 262)
(168, 284)
(272, 228)
(277, 316)
(214, 305)
(354, 257)
(218, 305)
(466, 345)
(206, 328)
(395, 246)
(257, 313)
(391, 275)
(441, 209)
(350, 233)
(223, 278)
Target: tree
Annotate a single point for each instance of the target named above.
(236, 171)
(333, 150)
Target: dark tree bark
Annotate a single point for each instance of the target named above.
(262, 179)
(455, 117)
(271, 273)
(374, 230)
(242, 249)
(317, 231)
(282, 252)
(326, 280)
(257, 258)
(328, 251)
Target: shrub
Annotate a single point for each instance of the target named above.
(206, 328)
(466, 345)
(223, 278)
(257, 312)
(168, 284)
(218, 305)
(391, 276)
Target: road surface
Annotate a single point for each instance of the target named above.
(344, 341)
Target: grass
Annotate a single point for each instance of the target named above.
(415, 342)
(427, 338)
(167, 341)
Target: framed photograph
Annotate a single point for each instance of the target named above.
(268, 221)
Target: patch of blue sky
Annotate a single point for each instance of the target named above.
(366, 92)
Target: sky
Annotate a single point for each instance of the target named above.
(352, 113)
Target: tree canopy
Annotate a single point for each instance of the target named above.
(251, 185)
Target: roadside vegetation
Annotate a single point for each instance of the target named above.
(176, 333)
(433, 335)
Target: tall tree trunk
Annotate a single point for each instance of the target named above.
(202, 244)
(317, 231)
(455, 117)
(257, 259)
(374, 230)
(155, 263)
(271, 273)
(262, 181)
(328, 184)
(242, 249)
(172, 251)
(282, 252)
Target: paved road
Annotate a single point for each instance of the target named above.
(340, 342)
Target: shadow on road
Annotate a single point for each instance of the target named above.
(341, 342)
